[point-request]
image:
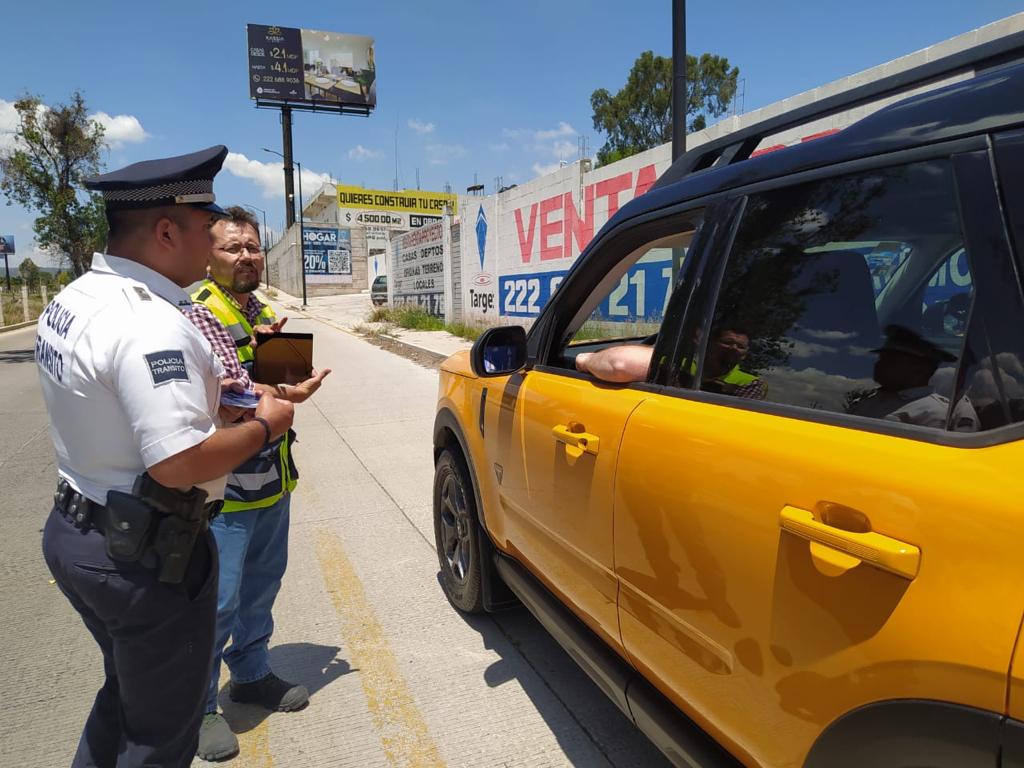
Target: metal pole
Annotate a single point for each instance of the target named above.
(678, 78)
(7, 270)
(302, 237)
(289, 180)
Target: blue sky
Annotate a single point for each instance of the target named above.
(473, 90)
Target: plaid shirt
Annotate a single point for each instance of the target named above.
(220, 340)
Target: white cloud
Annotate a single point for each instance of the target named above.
(563, 149)
(502, 147)
(269, 177)
(8, 123)
(421, 127)
(544, 170)
(563, 129)
(440, 154)
(120, 129)
(359, 153)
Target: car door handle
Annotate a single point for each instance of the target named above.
(840, 550)
(573, 434)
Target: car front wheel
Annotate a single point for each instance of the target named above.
(456, 533)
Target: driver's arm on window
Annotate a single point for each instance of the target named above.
(620, 364)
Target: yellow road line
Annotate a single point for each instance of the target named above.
(401, 727)
(254, 746)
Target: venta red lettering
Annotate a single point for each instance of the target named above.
(559, 231)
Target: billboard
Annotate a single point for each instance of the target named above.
(309, 66)
(411, 201)
(6, 244)
(328, 255)
(418, 270)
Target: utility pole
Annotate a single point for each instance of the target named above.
(678, 78)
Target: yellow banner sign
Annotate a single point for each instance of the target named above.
(406, 201)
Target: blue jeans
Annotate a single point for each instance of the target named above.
(253, 549)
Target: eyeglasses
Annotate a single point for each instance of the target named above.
(235, 249)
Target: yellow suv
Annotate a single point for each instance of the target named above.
(758, 464)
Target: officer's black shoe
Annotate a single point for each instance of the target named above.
(271, 692)
(216, 741)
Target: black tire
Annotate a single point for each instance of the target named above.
(456, 533)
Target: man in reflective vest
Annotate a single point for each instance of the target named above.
(252, 532)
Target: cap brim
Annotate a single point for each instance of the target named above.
(214, 209)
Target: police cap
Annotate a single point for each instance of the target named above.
(906, 341)
(181, 180)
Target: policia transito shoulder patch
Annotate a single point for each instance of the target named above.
(168, 365)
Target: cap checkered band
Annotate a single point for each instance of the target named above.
(175, 189)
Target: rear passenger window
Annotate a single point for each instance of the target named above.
(851, 295)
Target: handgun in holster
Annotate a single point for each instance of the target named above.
(182, 517)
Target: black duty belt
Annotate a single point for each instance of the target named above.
(84, 513)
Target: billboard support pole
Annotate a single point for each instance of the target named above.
(302, 238)
(7, 270)
(289, 181)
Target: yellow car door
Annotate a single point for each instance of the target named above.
(821, 511)
(553, 434)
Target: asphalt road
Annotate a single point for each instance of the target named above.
(398, 677)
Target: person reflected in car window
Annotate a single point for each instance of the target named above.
(729, 345)
(906, 393)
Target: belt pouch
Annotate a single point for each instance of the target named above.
(128, 527)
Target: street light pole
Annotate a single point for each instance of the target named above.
(291, 218)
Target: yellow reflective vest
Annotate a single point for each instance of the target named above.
(262, 480)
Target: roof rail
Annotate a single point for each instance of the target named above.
(739, 145)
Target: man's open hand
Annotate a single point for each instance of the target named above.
(272, 328)
(302, 391)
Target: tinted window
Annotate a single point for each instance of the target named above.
(850, 295)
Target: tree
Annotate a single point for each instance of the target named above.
(55, 148)
(639, 116)
(29, 273)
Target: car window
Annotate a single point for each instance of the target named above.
(629, 304)
(850, 295)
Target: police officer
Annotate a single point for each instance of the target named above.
(132, 390)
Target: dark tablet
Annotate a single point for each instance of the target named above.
(283, 358)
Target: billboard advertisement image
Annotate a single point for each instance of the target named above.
(328, 255)
(6, 244)
(311, 66)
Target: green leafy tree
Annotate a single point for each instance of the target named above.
(639, 116)
(55, 147)
(29, 273)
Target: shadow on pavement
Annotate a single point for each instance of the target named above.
(314, 666)
(17, 356)
(560, 691)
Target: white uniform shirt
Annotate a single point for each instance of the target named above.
(127, 379)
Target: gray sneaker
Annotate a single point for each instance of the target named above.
(216, 741)
(271, 692)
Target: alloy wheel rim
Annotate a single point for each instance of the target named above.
(455, 530)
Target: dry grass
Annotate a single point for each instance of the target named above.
(12, 306)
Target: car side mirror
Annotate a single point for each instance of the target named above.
(499, 351)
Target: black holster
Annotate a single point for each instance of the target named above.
(182, 516)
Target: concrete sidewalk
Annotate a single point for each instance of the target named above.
(349, 312)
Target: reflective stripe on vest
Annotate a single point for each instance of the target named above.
(262, 480)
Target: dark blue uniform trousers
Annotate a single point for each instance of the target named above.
(157, 644)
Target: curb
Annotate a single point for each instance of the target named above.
(17, 326)
(437, 357)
